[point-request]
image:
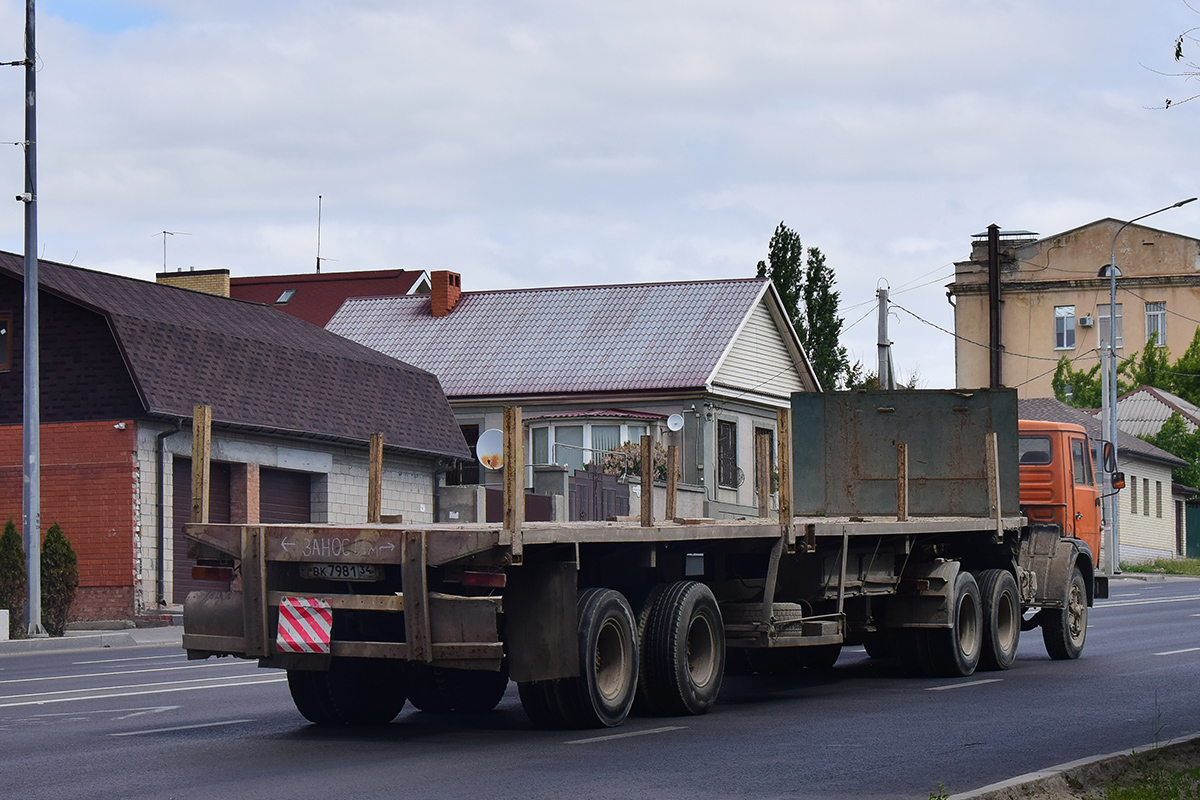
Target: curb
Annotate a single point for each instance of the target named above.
(97, 641)
(1048, 774)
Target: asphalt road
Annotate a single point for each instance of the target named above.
(144, 722)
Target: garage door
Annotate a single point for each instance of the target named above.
(284, 497)
(218, 512)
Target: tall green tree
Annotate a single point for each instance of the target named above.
(806, 289)
(60, 580)
(823, 326)
(12, 578)
(1076, 387)
(785, 267)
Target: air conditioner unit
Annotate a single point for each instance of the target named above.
(1086, 321)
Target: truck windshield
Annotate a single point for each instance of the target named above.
(1035, 449)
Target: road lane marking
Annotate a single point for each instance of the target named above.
(137, 694)
(134, 712)
(979, 682)
(1177, 652)
(1149, 601)
(178, 656)
(127, 672)
(1128, 594)
(184, 727)
(629, 735)
(118, 686)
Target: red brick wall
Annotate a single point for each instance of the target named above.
(89, 485)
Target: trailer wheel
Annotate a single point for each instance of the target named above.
(913, 646)
(1001, 619)
(878, 644)
(954, 652)
(423, 690)
(1064, 630)
(353, 691)
(685, 650)
(820, 657)
(471, 690)
(311, 697)
(536, 700)
(643, 704)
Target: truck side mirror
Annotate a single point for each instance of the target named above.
(1108, 457)
(1118, 480)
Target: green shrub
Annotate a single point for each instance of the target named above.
(60, 580)
(13, 579)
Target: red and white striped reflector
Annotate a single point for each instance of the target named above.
(305, 624)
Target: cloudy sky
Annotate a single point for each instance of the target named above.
(531, 143)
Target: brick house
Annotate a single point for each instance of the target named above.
(124, 361)
(313, 296)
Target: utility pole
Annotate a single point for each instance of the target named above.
(31, 475)
(887, 376)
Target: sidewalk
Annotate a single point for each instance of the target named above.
(95, 640)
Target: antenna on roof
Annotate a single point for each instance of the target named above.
(318, 234)
(165, 234)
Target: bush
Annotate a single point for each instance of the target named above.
(13, 579)
(60, 580)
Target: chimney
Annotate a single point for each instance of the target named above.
(447, 286)
(209, 281)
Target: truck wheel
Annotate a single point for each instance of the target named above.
(954, 652)
(536, 700)
(643, 704)
(423, 690)
(472, 690)
(913, 647)
(685, 650)
(1001, 619)
(820, 657)
(602, 695)
(1064, 630)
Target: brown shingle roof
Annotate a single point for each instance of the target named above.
(632, 337)
(256, 367)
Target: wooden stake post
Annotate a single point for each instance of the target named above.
(902, 482)
(672, 481)
(762, 454)
(375, 480)
(783, 426)
(201, 451)
(647, 454)
(514, 480)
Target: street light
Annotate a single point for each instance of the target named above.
(1109, 401)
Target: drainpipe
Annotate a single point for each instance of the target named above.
(160, 448)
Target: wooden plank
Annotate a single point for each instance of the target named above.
(672, 480)
(416, 612)
(201, 451)
(226, 538)
(762, 463)
(902, 481)
(783, 427)
(375, 480)
(647, 456)
(334, 545)
(254, 592)
(460, 651)
(514, 480)
(350, 602)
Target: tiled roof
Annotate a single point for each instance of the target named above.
(651, 336)
(316, 296)
(257, 368)
(1128, 446)
(1143, 411)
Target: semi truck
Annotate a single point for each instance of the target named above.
(926, 526)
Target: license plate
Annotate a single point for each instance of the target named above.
(342, 572)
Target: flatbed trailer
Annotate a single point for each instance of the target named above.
(593, 619)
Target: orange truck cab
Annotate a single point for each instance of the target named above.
(1058, 481)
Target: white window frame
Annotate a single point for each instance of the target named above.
(1156, 323)
(1064, 327)
(1102, 324)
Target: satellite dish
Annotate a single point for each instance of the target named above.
(675, 422)
(490, 448)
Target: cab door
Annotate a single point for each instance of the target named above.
(1083, 521)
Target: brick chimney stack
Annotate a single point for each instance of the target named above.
(446, 288)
